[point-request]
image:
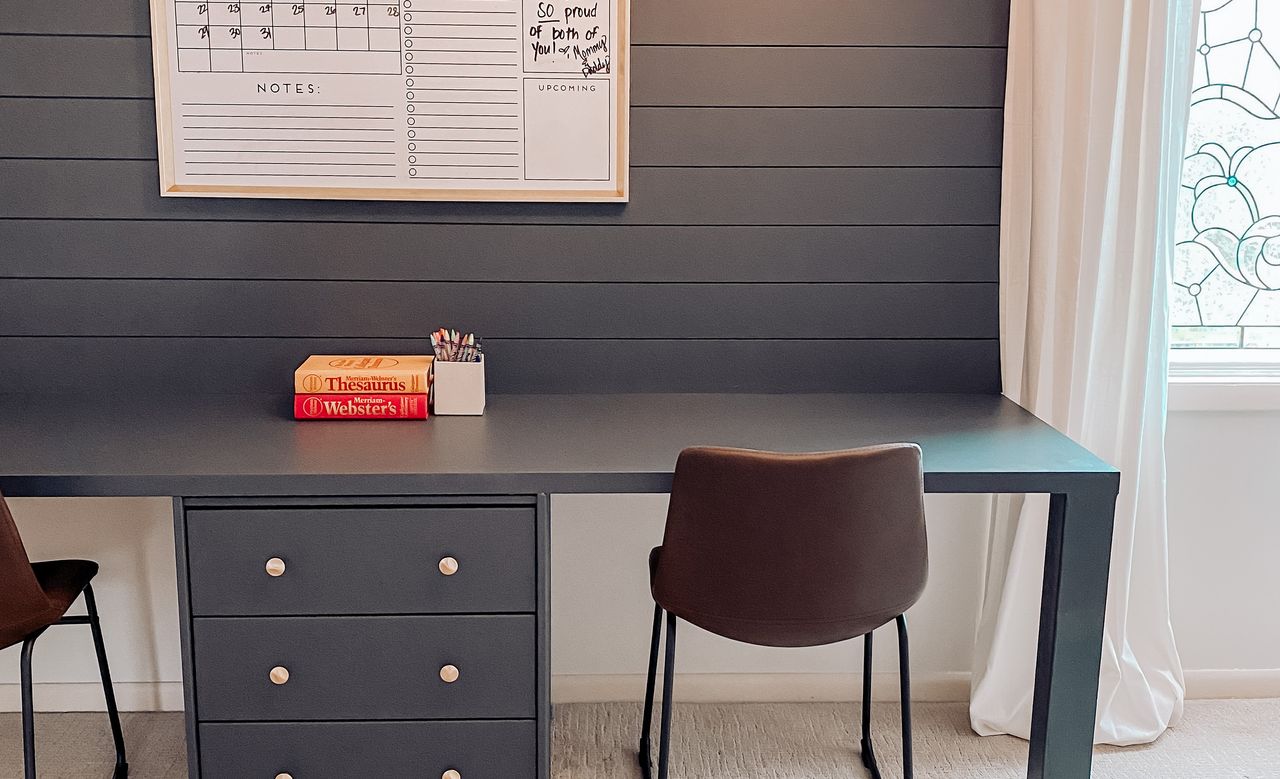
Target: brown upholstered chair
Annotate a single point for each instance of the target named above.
(33, 597)
(789, 550)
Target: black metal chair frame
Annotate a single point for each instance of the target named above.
(28, 704)
(668, 678)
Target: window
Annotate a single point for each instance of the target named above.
(1226, 275)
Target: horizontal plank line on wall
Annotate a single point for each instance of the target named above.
(778, 167)
(670, 107)
(804, 45)
(736, 106)
(148, 98)
(558, 224)
(658, 167)
(909, 22)
(337, 251)
(72, 35)
(825, 107)
(923, 365)
(802, 196)
(638, 339)
(706, 138)
(585, 311)
(719, 73)
(242, 220)
(557, 282)
(634, 45)
(89, 159)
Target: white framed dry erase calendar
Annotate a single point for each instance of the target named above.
(515, 100)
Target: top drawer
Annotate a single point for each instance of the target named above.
(361, 561)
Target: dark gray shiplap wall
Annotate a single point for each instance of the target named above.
(815, 195)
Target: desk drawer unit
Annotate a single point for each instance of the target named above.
(390, 637)
(359, 750)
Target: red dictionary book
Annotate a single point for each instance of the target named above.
(360, 406)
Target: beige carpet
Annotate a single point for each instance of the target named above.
(1216, 740)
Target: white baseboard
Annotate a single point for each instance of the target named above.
(693, 688)
(944, 686)
(87, 696)
(763, 688)
(1233, 683)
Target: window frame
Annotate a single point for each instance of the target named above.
(1235, 379)
(1224, 379)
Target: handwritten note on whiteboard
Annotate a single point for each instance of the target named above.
(393, 99)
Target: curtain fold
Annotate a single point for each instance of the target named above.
(1095, 116)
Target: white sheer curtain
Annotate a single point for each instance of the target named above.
(1095, 116)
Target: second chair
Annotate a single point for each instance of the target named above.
(789, 550)
(35, 597)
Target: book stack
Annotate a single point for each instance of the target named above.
(328, 386)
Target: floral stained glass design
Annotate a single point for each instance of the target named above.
(1226, 275)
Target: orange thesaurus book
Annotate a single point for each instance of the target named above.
(335, 374)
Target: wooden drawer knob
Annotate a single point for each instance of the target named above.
(451, 774)
(279, 675)
(275, 567)
(284, 776)
(449, 674)
(448, 566)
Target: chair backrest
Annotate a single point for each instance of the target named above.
(793, 549)
(21, 594)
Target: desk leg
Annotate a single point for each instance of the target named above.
(184, 634)
(545, 712)
(1072, 611)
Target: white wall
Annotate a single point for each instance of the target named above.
(1224, 539)
(137, 599)
(1224, 546)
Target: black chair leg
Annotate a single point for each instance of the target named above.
(28, 710)
(113, 713)
(645, 754)
(868, 754)
(668, 682)
(904, 679)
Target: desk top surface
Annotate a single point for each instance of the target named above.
(225, 445)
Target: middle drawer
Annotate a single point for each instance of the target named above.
(361, 668)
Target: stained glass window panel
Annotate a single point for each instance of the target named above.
(1226, 275)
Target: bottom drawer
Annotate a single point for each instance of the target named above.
(494, 749)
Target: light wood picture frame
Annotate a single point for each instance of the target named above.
(198, 128)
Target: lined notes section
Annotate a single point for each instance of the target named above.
(462, 89)
(279, 139)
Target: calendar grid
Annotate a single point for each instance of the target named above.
(229, 37)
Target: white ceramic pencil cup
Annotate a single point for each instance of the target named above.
(458, 388)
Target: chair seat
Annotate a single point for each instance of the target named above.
(62, 582)
(774, 632)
